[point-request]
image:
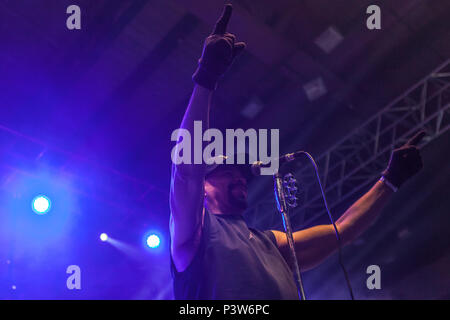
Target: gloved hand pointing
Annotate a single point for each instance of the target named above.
(219, 51)
(405, 161)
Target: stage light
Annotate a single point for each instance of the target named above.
(329, 39)
(41, 204)
(153, 241)
(103, 237)
(314, 89)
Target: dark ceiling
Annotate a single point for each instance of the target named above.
(119, 86)
(99, 104)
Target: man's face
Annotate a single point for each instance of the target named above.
(228, 186)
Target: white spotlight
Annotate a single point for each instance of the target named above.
(103, 237)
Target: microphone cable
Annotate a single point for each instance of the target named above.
(334, 225)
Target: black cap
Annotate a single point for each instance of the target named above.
(220, 161)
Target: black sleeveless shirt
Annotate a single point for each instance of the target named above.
(234, 261)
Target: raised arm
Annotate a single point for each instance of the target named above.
(315, 244)
(187, 183)
(186, 188)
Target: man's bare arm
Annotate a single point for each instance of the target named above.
(187, 184)
(315, 244)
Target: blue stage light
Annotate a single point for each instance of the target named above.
(41, 204)
(153, 241)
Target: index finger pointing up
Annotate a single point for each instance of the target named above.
(222, 23)
(414, 141)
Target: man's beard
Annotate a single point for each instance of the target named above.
(236, 201)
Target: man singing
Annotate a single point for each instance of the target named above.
(214, 254)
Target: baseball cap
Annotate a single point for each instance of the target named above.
(219, 161)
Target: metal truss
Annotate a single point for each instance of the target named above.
(356, 161)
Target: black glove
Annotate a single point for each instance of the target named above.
(404, 162)
(219, 51)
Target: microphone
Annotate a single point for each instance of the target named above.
(257, 165)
